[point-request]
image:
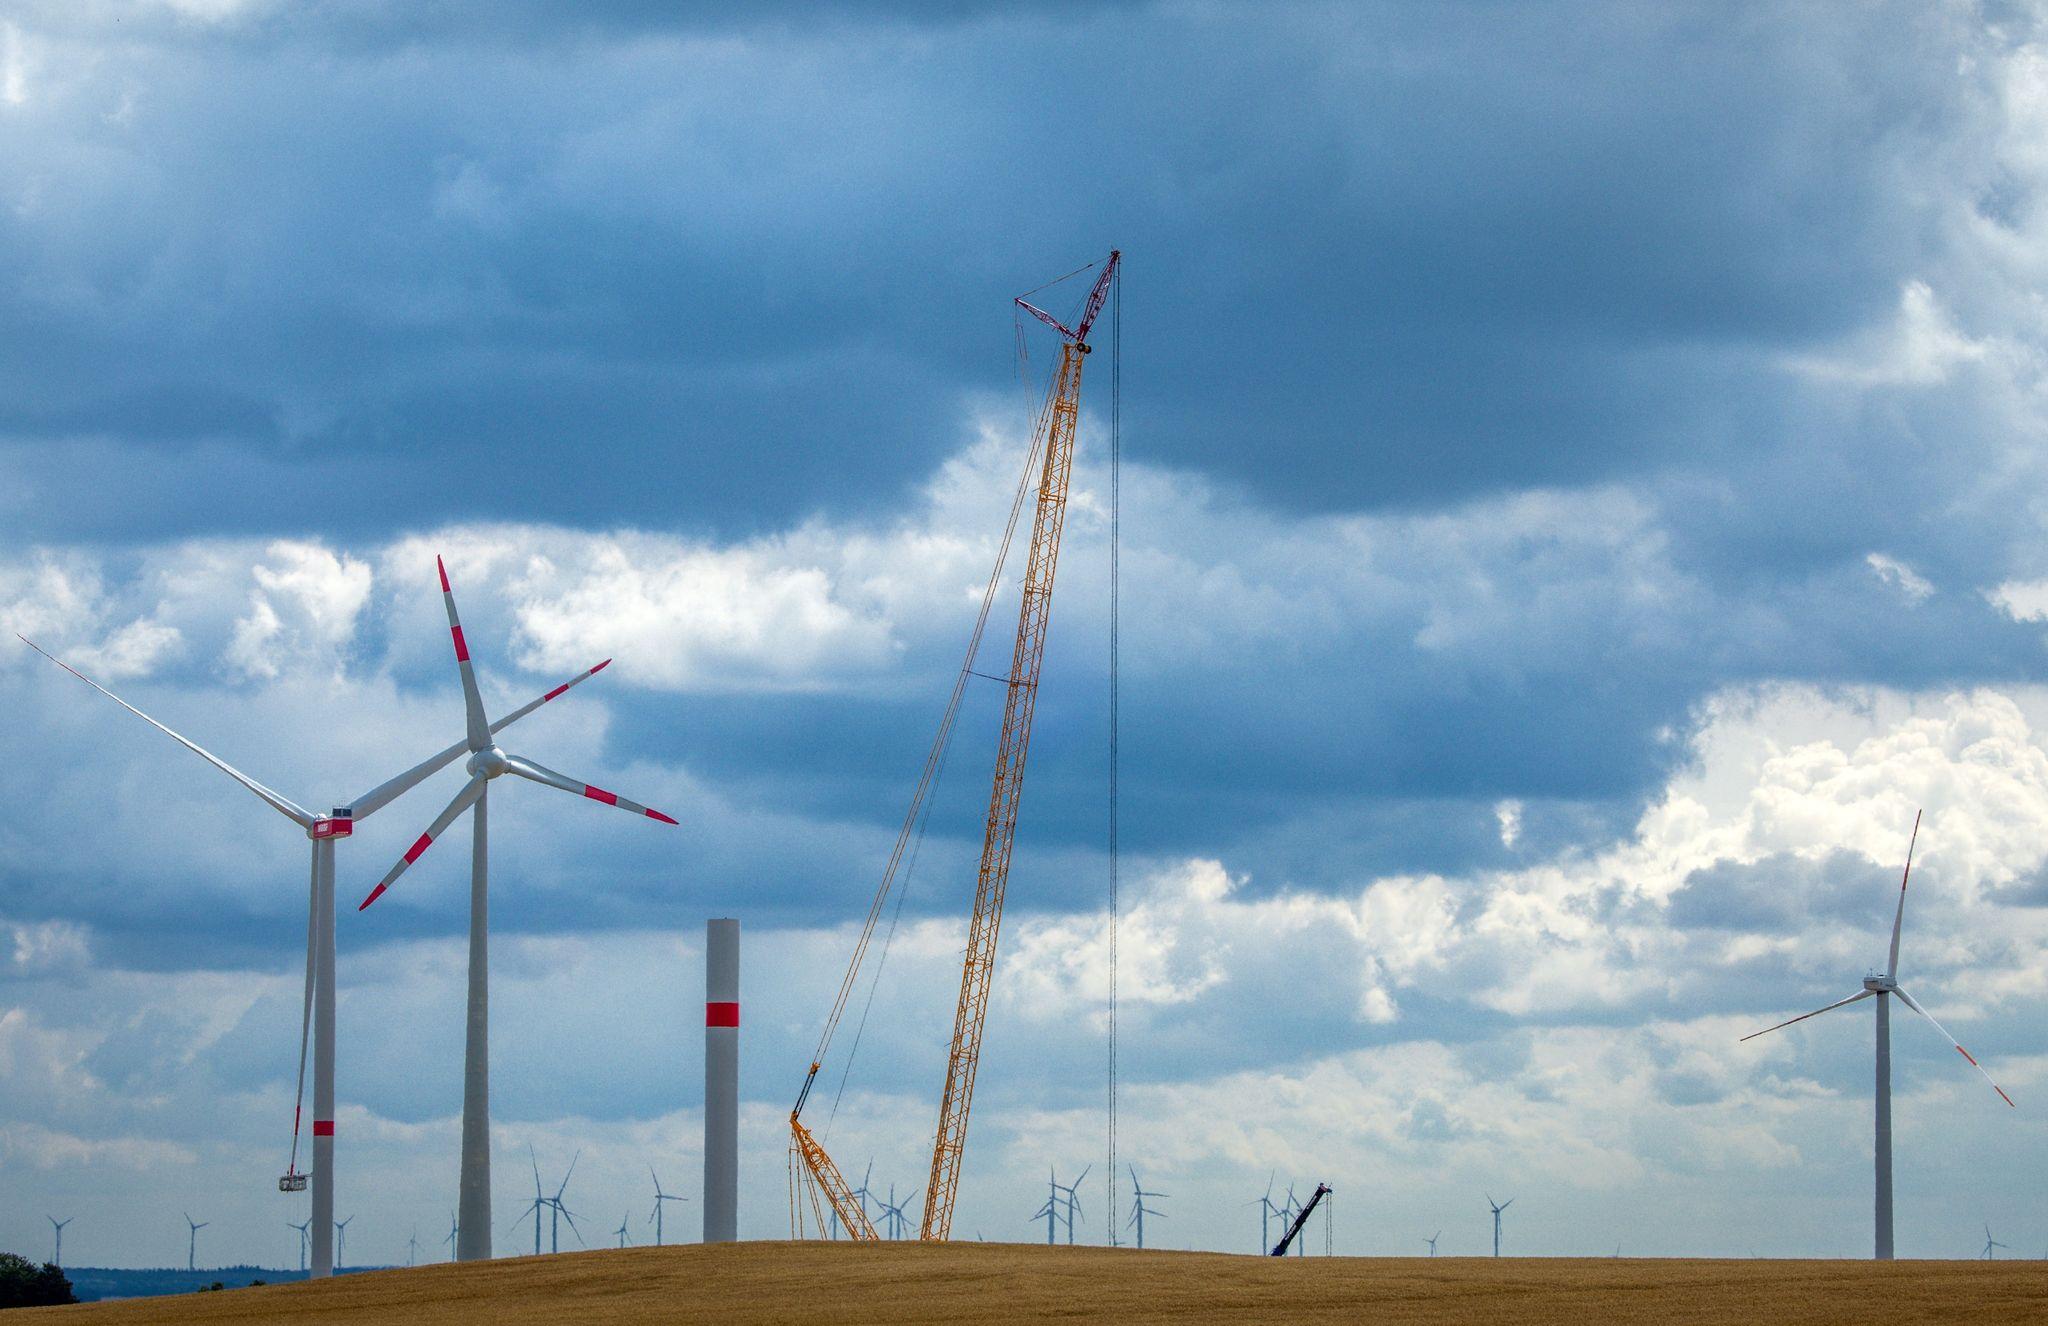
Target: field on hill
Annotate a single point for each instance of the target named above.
(979, 1282)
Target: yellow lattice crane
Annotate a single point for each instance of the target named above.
(818, 1177)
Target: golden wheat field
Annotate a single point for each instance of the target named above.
(977, 1282)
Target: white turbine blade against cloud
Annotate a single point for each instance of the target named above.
(464, 799)
(276, 801)
(1826, 1008)
(1910, 1003)
(472, 701)
(1899, 918)
(526, 768)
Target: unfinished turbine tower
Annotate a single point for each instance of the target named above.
(721, 1080)
(1885, 986)
(486, 762)
(815, 1180)
(316, 1019)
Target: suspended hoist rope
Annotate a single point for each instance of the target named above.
(914, 819)
(1116, 389)
(305, 1016)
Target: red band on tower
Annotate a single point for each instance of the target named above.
(721, 1015)
(323, 1127)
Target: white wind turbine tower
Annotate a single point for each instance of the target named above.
(317, 1014)
(58, 1226)
(192, 1248)
(486, 762)
(1884, 987)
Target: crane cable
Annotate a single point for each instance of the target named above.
(915, 818)
(1116, 378)
(305, 1019)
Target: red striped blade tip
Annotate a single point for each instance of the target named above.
(443, 569)
(375, 894)
(461, 646)
(657, 815)
(600, 667)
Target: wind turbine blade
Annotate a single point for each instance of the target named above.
(1892, 970)
(472, 702)
(1860, 994)
(282, 804)
(1908, 1000)
(528, 769)
(385, 793)
(570, 1175)
(464, 799)
(531, 705)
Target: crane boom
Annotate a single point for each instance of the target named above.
(1034, 615)
(1300, 1219)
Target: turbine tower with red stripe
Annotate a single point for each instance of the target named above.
(486, 762)
(1885, 986)
(316, 1018)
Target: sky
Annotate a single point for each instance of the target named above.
(1583, 492)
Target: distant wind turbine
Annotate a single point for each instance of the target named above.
(1498, 1207)
(1885, 986)
(454, 1229)
(1431, 1241)
(1266, 1212)
(892, 1212)
(659, 1198)
(57, 1259)
(1073, 1199)
(305, 1237)
(192, 1248)
(1990, 1243)
(341, 1242)
(621, 1230)
(412, 1248)
(486, 763)
(1138, 1208)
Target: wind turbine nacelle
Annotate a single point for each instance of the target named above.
(291, 1183)
(338, 825)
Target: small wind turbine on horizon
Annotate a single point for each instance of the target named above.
(1073, 1199)
(1498, 1207)
(1885, 986)
(621, 1230)
(316, 1019)
(1990, 1243)
(486, 762)
(57, 1257)
(192, 1247)
(1138, 1208)
(341, 1242)
(454, 1229)
(659, 1198)
(305, 1237)
(1431, 1241)
(412, 1248)
(892, 1211)
(1267, 1210)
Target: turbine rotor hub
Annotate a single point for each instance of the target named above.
(490, 762)
(1880, 984)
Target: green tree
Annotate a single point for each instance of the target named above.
(23, 1284)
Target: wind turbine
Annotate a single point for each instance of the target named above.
(892, 1211)
(341, 1241)
(659, 1198)
(58, 1225)
(1990, 1243)
(1138, 1208)
(1073, 1198)
(412, 1248)
(538, 1205)
(1267, 1210)
(454, 1228)
(561, 1211)
(486, 762)
(192, 1248)
(316, 1018)
(1431, 1241)
(1287, 1213)
(1498, 1207)
(1050, 1212)
(621, 1230)
(1884, 987)
(304, 1238)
